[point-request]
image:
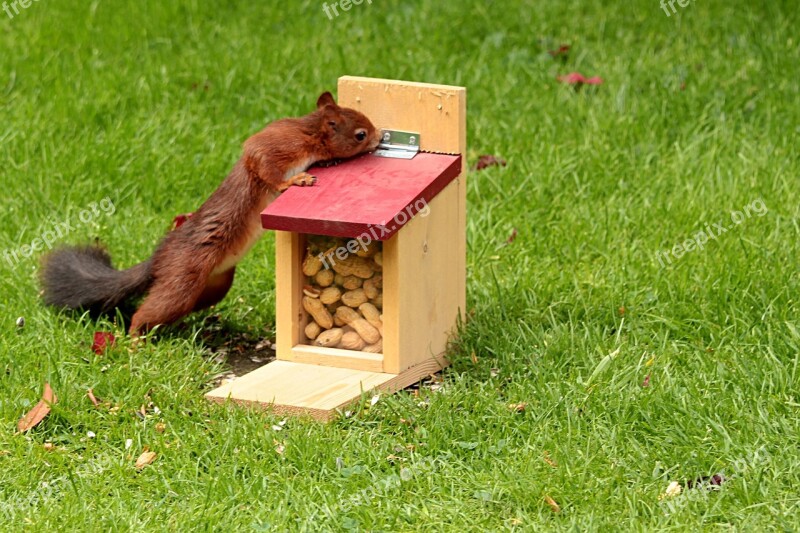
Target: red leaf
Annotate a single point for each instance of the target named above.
(578, 79)
(572, 78)
(178, 221)
(489, 161)
(512, 237)
(562, 50)
(39, 411)
(646, 382)
(708, 482)
(102, 341)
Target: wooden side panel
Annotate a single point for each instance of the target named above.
(290, 318)
(425, 263)
(421, 274)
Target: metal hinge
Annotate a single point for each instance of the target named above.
(398, 144)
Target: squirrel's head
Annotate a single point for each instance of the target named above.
(346, 131)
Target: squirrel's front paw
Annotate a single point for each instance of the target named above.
(303, 179)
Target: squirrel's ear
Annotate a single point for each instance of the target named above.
(324, 99)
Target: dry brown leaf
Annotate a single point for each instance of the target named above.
(92, 398)
(145, 459)
(474, 358)
(39, 411)
(49, 446)
(552, 503)
(161, 427)
(548, 460)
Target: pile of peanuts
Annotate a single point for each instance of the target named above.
(344, 297)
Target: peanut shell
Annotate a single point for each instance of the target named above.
(324, 277)
(354, 298)
(312, 330)
(352, 341)
(346, 315)
(329, 338)
(367, 331)
(330, 295)
(311, 265)
(374, 348)
(317, 310)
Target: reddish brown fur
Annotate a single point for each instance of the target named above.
(185, 266)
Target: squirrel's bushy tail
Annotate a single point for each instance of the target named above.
(82, 277)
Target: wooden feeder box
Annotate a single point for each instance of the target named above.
(414, 209)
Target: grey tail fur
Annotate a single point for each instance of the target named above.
(82, 277)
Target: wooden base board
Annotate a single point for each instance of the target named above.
(292, 388)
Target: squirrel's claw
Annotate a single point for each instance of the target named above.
(304, 179)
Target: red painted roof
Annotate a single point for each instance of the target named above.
(369, 194)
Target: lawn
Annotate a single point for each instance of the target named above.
(632, 271)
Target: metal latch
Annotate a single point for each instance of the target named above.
(398, 144)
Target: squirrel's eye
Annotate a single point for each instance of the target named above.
(361, 135)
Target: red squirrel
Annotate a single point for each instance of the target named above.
(194, 265)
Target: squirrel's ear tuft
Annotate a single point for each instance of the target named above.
(324, 99)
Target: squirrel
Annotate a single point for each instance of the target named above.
(193, 266)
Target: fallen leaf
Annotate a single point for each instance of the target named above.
(103, 340)
(518, 407)
(92, 398)
(621, 310)
(161, 427)
(485, 161)
(708, 482)
(577, 79)
(512, 237)
(474, 357)
(145, 459)
(646, 382)
(562, 50)
(552, 503)
(39, 411)
(179, 220)
(549, 460)
(49, 446)
(5, 452)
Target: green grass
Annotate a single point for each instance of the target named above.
(147, 103)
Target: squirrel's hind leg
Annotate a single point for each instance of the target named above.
(216, 288)
(168, 300)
